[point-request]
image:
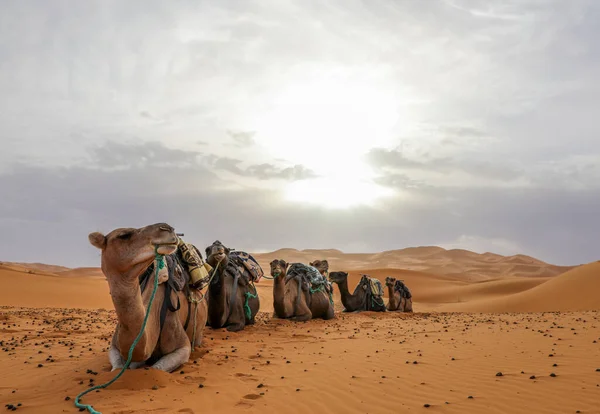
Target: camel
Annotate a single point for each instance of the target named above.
(232, 298)
(293, 295)
(322, 266)
(362, 299)
(400, 298)
(127, 261)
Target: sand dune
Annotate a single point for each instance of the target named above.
(55, 324)
(575, 290)
(457, 263)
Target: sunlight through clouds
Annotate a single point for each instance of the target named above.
(328, 125)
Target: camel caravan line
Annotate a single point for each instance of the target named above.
(219, 292)
(160, 326)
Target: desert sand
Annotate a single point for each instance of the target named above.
(490, 334)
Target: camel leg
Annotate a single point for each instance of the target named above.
(237, 315)
(114, 356)
(330, 313)
(304, 313)
(136, 365)
(171, 361)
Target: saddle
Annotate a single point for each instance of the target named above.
(175, 278)
(309, 275)
(372, 284)
(190, 257)
(402, 289)
(374, 290)
(246, 261)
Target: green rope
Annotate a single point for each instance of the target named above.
(246, 305)
(322, 289)
(161, 264)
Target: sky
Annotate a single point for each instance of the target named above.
(357, 125)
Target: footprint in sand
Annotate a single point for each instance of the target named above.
(251, 396)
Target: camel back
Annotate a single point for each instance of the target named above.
(374, 285)
(402, 289)
(309, 274)
(246, 261)
(374, 292)
(190, 257)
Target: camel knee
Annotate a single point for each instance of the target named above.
(173, 360)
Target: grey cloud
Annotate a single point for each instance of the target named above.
(120, 154)
(263, 171)
(69, 203)
(385, 160)
(226, 164)
(242, 139)
(269, 171)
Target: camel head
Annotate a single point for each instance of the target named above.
(390, 281)
(278, 267)
(322, 266)
(129, 251)
(216, 253)
(338, 277)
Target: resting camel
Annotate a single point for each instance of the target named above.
(322, 266)
(232, 300)
(400, 298)
(293, 296)
(128, 259)
(362, 299)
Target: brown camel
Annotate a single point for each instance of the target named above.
(232, 298)
(322, 266)
(400, 298)
(294, 296)
(128, 259)
(362, 299)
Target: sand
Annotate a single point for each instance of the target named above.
(515, 341)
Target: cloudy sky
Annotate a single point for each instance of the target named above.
(362, 126)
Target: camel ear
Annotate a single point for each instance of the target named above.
(285, 264)
(97, 239)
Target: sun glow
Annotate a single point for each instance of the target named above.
(328, 127)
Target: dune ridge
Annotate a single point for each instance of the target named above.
(458, 263)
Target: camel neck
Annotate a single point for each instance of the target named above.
(279, 302)
(345, 294)
(127, 299)
(392, 304)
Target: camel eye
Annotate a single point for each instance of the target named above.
(125, 236)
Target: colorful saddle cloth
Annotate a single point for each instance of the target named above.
(374, 285)
(374, 290)
(309, 274)
(248, 262)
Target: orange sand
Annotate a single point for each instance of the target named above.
(358, 363)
